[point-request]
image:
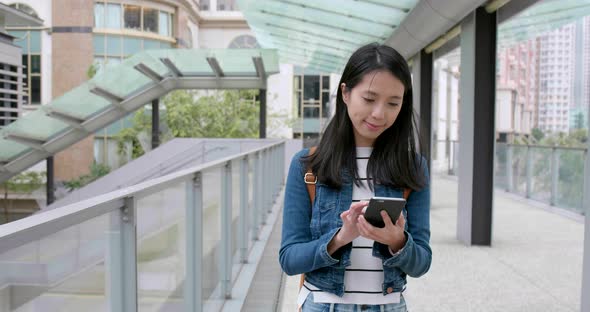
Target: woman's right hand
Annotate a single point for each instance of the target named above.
(348, 232)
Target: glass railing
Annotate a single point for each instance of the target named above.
(550, 174)
(173, 243)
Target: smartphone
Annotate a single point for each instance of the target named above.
(393, 206)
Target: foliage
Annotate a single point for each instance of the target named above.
(579, 121)
(92, 70)
(221, 114)
(190, 114)
(570, 172)
(23, 183)
(576, 138)
(96, 171)
(141, 122)
(538, 134)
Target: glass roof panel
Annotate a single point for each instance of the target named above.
(79, 103)
(308, 31)
(36, 125)
(543, 17)
(124, 79)
(187, 61)
(11, 149)
(233, 62)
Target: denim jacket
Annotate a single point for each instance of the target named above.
(308, 230)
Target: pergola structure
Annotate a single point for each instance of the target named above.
(118, 90)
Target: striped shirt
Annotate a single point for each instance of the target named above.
(363, 279)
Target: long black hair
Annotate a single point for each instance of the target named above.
(393, 161)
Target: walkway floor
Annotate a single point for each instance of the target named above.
(534, 264)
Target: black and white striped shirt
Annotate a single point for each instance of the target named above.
(363, 279)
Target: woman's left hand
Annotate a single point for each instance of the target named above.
(391, 235)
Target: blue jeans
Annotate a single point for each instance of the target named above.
(310, 306)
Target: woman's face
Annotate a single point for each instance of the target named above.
(373, 105)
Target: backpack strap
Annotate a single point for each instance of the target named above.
(407, 192)
(310, 179)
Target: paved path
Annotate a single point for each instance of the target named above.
(534, 264)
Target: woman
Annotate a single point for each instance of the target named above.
(368, 149)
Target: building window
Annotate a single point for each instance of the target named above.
(113, 16)
(132, 17)
(312, 95)
(150, 20)
(165, 28)
(9, 105)
(30, 44)
(226, 5)
(205, 5)
(24, 8)
(244, 42)
(112, 49)
(99, 15)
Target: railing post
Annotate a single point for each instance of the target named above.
(275, 186)
(282, 164)
(244, 220)
(449, 145)
(269, 186)
(529, 171)
(276, 170)
(256, 196)
(226, 238)
(554, 174)
(509, 174)
(263, 187)
(193, 289)
(122, 258)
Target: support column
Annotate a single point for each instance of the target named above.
(477, 129)
(262, 98)
(50, 181)
(155, 123)
(426, 65)
(422, 72)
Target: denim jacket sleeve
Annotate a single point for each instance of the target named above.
(416, 256)
(299, 253)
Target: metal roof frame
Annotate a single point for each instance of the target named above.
(158, 85)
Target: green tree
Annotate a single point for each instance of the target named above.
(190, 114)
(223, 114)
(570, 171)
(23, 183)
(538, 134)
(579, 121)
(142, 122)
(91, 71)
(96, 171)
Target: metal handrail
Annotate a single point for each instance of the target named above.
(526, 145)
(37, 226)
